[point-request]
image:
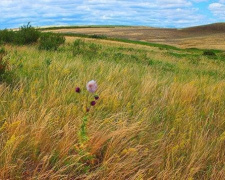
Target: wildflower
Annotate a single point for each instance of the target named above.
(77, 90)
(93, 103)
(92, 86)
(96, 97)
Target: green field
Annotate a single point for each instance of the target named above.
(160, 114)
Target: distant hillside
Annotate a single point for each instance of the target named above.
(210, 28)
(206, 37)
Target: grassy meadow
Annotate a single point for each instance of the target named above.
(160, 114)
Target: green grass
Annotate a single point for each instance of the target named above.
(160, 114)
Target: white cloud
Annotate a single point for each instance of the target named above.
(198, 1)
(164, 13)
(218, 9)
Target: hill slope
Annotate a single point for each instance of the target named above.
(160, 113)
(211, 28)
(205, 37)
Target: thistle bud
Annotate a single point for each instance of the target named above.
(96, 97)
(93, 103)
(78, 90)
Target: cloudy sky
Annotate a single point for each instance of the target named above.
(158, 13)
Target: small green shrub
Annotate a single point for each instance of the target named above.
(50, 41)
(222, 56)
(96, 36)
(6, 75)
(78, 47)
(26, 35)
(3, 64)
(209, 53)
(6, 36)
(94, 48)
(88, 50)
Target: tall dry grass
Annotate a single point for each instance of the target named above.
(152, 121)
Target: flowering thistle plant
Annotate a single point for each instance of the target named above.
(92, 88)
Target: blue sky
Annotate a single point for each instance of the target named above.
(157, 13)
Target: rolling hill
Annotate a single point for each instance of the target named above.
(206, 37)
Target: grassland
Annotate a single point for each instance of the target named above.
(205, 37)
(160, 114)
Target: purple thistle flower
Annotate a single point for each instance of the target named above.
(78, 90)
(92, 86)
(93, 103)
(96, 97)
